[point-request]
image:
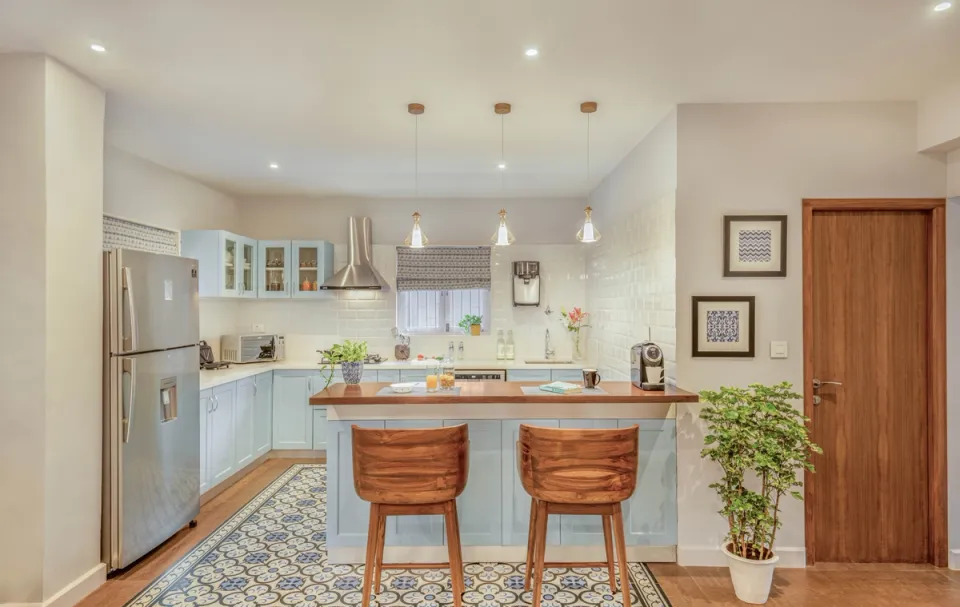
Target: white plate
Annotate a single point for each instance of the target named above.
(404, 388)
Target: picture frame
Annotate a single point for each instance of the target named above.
(724, 326)
(754, 246)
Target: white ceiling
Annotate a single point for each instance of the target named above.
(218, 89)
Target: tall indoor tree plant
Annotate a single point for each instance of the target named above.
(761, 443)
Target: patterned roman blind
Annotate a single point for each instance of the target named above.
(443, 268)
(123, 234)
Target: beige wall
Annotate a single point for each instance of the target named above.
(765, 158)
(938, 120)
(51, 144)
(631, 285)
(74, 151)
(447, 222)
(23, 215)
(953, 173)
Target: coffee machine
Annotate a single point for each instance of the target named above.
(646, 366)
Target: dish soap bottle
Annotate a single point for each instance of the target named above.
(501, 346)
(510, 348)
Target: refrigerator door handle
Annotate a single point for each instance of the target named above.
(131, 341)
(129, 368)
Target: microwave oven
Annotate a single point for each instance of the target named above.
(257, 348)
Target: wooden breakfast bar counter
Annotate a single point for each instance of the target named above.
(494, 509)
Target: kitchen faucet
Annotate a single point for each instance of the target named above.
(548, 352)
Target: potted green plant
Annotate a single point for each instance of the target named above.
(349, 355)
(471, 324)
(761, 443)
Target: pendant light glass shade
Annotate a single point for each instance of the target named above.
(416, 239)
(588, 233)
(503, 236)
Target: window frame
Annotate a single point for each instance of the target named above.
(450, 326)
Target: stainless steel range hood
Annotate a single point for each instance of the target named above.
(359, 273)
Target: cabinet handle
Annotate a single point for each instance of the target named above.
(216, 403)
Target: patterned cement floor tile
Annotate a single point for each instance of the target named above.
(273, 552)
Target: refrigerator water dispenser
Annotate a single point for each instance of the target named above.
(526, 283)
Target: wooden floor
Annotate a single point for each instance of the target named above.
(820, 586)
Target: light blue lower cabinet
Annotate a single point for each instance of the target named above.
(420, 530)
(409, 375)
(348, 516)
(583, 530)
(528, 375)
(319, 428)
(570, 375)
(650, 516)
(292, 413)
(388, 375)
(479, 506)
(516, 501)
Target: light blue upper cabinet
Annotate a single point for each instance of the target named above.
(274, 277)
(227, 262)
(312, 264)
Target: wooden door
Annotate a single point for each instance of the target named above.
(869, 295)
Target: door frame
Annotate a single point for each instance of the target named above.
(935, 209)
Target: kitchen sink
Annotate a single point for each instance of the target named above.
(546, 361)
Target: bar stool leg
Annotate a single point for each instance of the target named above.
(378, 555)
(608, 544)
(531, 544)
(369, 564)
(622, 550)
(453, 549)
(541, 549)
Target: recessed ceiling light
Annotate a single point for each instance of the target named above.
(502, 165)
(274, 166)
(943, 6)
(98, 48)
(531, 52)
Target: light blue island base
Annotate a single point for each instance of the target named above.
(494, 509)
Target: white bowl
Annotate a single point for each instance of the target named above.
(404, 388)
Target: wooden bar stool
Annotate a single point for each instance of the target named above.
(569, 471)
(411, 472)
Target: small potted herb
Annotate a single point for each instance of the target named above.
(471, 324)
(349, 355)
(760, 441)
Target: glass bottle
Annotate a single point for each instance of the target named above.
(501, 345)
(448, 377)
(511, 349)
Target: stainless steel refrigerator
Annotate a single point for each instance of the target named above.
(151, 427)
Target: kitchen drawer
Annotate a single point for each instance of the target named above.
(392, 376)
(569, 375)
(528, 375)
(411, 375)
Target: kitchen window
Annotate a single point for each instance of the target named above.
(439, 311)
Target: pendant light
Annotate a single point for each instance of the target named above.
(416, 239)
(588, 233)
(503, 236)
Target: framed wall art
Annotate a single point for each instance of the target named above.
(723, 326)
(754, 245)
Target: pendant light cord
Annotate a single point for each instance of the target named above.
(502, 161)
(416, 155)
(588, 154)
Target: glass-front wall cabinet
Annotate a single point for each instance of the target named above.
(248, 267)
(228, 275)
(313, 261)
(274, 268)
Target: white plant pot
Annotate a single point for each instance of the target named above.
(751, 579)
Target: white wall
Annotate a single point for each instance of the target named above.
(765, 158)
(22, 368)
(953, 173)
(74, 172)
(449, 222)
(938, 120)
(140, 190)
(953, 378)
(631, 290)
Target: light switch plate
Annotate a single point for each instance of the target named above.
(778, 349)
(258, 328)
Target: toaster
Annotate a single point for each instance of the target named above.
(646, 366)
(262, 347)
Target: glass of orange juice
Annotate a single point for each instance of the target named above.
(433, 376)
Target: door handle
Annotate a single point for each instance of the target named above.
(131, 342)
(130, 368)
(817, 384)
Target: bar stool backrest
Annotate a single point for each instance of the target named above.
(574, 466)
(410, 466)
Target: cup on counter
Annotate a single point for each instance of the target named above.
(590, 379)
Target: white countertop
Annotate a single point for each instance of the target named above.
(212, 379)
